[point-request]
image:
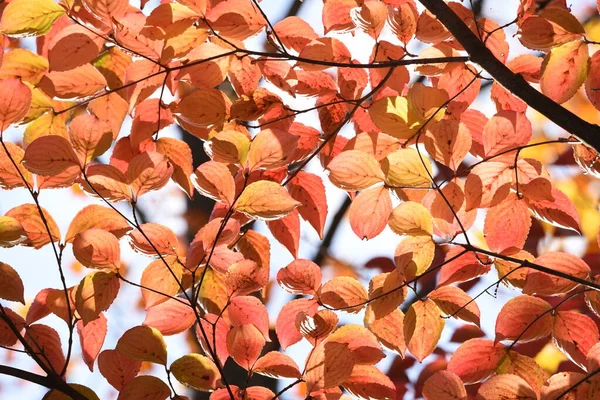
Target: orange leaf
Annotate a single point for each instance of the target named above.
(72, 47)
(444, 385)
(106, 181)
(180, 156)
(95, 293)
(507, 224)
(575, 334)
(549, 285)
(228, 147)
(561, 212)
(344, 293)
(410, 218)
(245, 343)
(487, 185)
(143, 343)
(389, 330)
(524, 319)
(15, 100)
(475, 360)
(355, 170)
(300, 277)
(29, 217)
(414, 255)
(285, 326)
(213, 103)
(423, 327)
(316, 327)
(406, 167)
(45, 340)
(330, 365)
(11, 285)
(454, 302)
(270, 149)
(196, 371)
(325, 50)
(294, 32)
(505, 130)
(309, 190)
(7, 336)
(369, 212)
(244, 310)
(116, 368)
(145, 386)
(525, 367)
(245, 277)
(97, 248)
(361, 342)
(265, 200)
(105, 9)
(162, 279)
(91, 337)
(461, 269)
(386, 292)
(213, 179)
(236, 19)
(564, 70)
(336, 15)
(367, 382)
(162, 240)
(49, 155)
(90, 136)
(563, 382)
(506, 386)
(10, 177)
(287, 231)
(448, 141)
(277, 365)
(148, 171)
(171, 317)
(78, 82)
(216, 330)
(100, 217)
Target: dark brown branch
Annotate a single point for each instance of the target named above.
(515, 83)
(45, 381)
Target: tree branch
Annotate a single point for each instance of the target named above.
(480, 54)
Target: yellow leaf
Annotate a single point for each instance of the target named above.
(405, 167)
(143, 343)
(29, 17)
(196, 371)
(265, 200)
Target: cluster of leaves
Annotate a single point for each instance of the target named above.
(96, 62)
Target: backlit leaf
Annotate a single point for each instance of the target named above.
(91, 337)
(95, 293)
(276, 364)
(245, 343)
(549, 285)
(265, 200)
(564, 70)
(143, 343)
(15, 100)
(345, 293)
(423, 327)
(29, 17)
(97, 248)
(354, 170)
(475, 360)
(116, 368)
(11, 285)
(523, 319)
(444, 385)
(49, 155)
(506, 386)
(196, 371)
(369, 212)
(171, 316)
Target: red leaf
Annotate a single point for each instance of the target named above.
(524, 319)
(475, 360)
(575, 334)
(300, 277)
(369, 212)
(15, 99)
(171, 317)
(285, 327)
(91, 337)
(249, 310)
(245, 343)
(549, 285)
(116, 368)
(49, 155)
(561, 212)
(444, 385)
(309, 190)
(287, 231)
(507, 225)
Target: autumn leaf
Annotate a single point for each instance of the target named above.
(29, 17)
(265, 200)
(196, 371)
(143, 343)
